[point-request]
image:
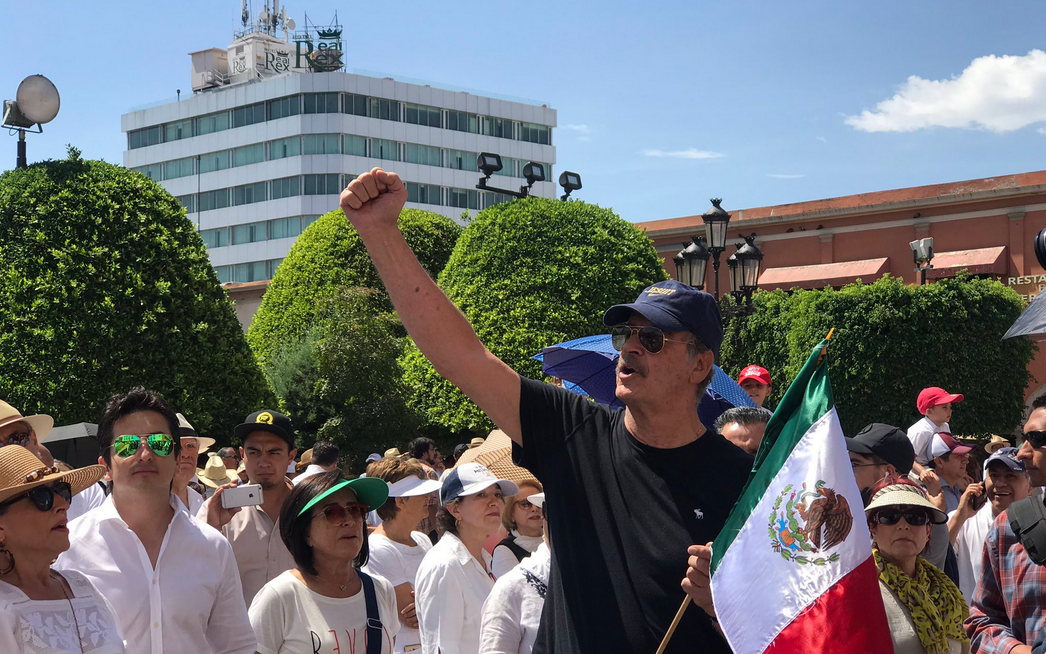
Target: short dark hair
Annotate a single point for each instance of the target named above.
(1038, 403)
(742, 415)
(228, 451)
(420, 446)
(136, 400)
(325, 453)
(294, 529)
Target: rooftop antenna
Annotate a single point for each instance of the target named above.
(288, 24)
(274, 18)
(263, 18)
(245, 15)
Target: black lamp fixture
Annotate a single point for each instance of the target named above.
(570, 181)
(37, 102)
(716, 223)
(922, 251)
(745, 265)
(490, 163)
(692, 263)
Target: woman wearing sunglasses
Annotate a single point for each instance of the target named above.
(41, 610)
(325, 603)
(924, 608)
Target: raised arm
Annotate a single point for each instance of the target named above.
(372, 203)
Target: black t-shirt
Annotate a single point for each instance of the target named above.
(621, 516)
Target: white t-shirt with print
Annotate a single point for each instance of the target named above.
(288, 618)
(398, 563)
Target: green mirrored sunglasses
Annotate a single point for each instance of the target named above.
(126, 445)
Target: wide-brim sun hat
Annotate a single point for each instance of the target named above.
(471, 478)
(995, 443)
(215, 474)
(904, 495)
(41, 424)
(186, 430)
(369, 490)
(20, 471)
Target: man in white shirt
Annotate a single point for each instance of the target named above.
(324, 457)
(1005, 482)
(935, 404)
(171, 581)
(254, 531)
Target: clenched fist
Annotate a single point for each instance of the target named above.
(374, 199)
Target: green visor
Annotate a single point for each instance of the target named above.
(369, 490)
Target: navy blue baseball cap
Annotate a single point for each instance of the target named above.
(675, 307)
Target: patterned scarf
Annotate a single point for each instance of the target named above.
(936, 605)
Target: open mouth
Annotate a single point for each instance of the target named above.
(61, 526)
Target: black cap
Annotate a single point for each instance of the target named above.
(675, 307)
(268, 420)
(886, 442)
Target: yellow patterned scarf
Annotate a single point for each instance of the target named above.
(936, 605)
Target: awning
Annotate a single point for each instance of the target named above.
(823, 274)
(981, 261)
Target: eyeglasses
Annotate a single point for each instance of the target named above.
(127, 445)
(854, 464)
(526, 505)
(43, 496)
(914, 517)
(651, 338)
(1036, 438)
(18, 438)
(338, 514)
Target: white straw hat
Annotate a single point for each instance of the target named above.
(904, 495)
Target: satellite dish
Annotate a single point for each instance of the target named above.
(38, 99)
(263, 17)
(290, 24)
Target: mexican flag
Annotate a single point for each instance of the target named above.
(792, 570)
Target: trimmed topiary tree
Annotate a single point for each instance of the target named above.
(105, 284)
(892, 340)
(330, 255)
(528, 274)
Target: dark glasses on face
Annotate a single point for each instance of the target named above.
(914, 517)
(127, 445)
(651, 338)
(339, 514)
(526, 505)
(43, 496)
(18, 438)
(1036, 438)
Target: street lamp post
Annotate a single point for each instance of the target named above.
(716, 223)
(37, 102)
(922, 251)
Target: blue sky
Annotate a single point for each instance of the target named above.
(661, 105)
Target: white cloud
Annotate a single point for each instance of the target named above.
(580, 129)
(784, 176)
(996, 93)
(1042, 130)
(689, 153)
(821, 139)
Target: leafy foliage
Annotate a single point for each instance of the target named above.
(890, 342)
(105, 284)
(329, 255)
(528, 274)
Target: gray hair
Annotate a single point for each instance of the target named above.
(742, 415)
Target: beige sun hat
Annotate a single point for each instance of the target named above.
(393, 453)
(904, 495)
(997, 442)
(21, 471)
(186, 430)
(214, 473)
(41, 424)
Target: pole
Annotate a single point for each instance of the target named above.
(675, 623)
(20, 161)
(715, 269)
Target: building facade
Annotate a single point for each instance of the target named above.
(267, 143)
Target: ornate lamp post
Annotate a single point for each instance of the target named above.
(716, 223)
(692, 263)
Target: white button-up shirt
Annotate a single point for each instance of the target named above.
(450, 589)
(191, 601)
(921, 435)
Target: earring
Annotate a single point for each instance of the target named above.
(10, 560)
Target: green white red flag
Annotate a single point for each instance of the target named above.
(792, 570)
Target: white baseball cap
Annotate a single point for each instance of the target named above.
(537, 499)
(412, 486)
(471, 478)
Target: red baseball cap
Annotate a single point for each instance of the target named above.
(757, 373)
(934, 395)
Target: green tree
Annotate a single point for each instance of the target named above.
(328, 256)
(528, 274)
(105, 284)
(891, 341)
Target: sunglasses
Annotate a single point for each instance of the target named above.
(1035, 438)
(651, 338)
(18, 438)
(338, 514)
(43, 496)
(914, 517)
(127, 445)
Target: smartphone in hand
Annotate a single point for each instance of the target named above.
(246, 495)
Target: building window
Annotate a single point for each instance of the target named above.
(250, 233)
(248, 194)
(284, 107)
(213, 161)
(417, 114)
(248, 154)
(421, 154)
(188, 201)
(459, 160)
(285, 187)
(248, 115)
(457, 197)
(509, 167)
(322, 184)
(320, 144)
(152, 171)
(218, 199)
(285, 227)
(355, 104)
(178, 168)
(463, 122)
(423, 193)
(321, 103)
(273, 265)
(212, 123)
(224, 274)
(382, 149)
(308, 220)
(490, 199)
(383, 109)
(178, 131)
(535, 133)
(141, 138)
(499, 127)
(288, 147)
(254, 271)
(215, 238)
(354, 145)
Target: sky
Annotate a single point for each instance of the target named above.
(661, 105)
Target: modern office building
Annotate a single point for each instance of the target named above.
(275, 129)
